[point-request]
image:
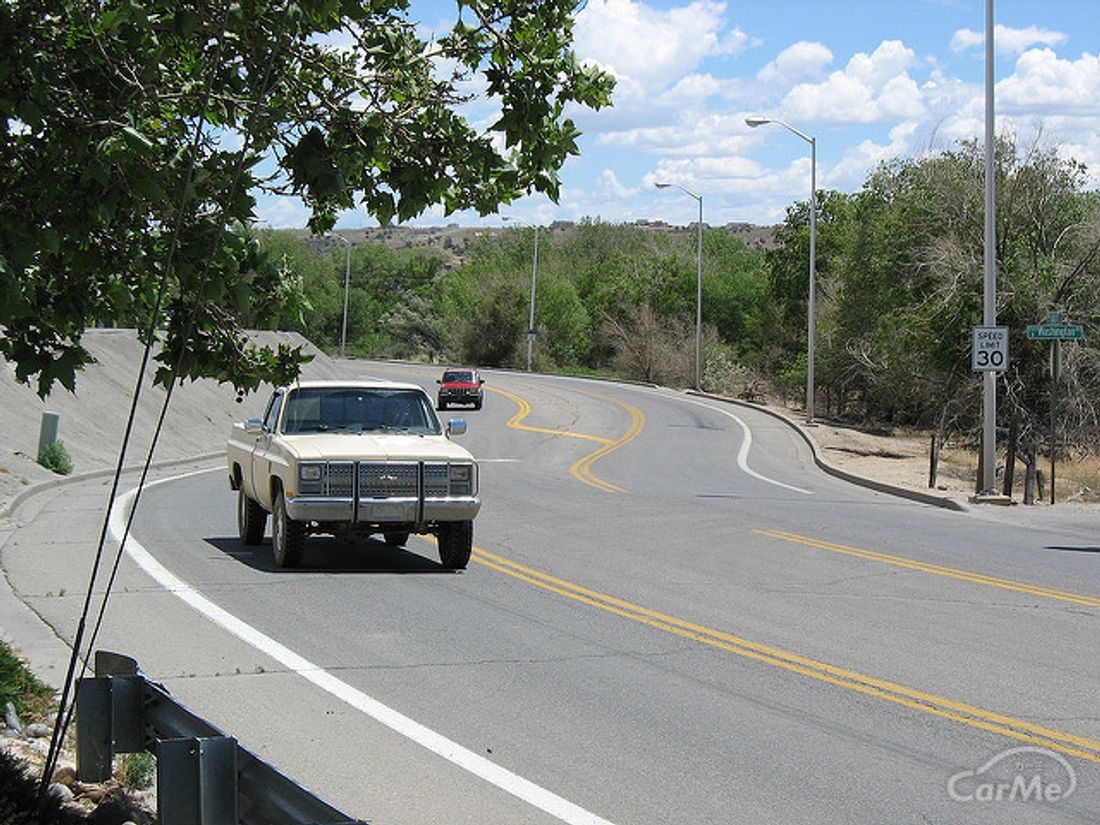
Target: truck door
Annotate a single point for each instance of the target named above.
(261, 452)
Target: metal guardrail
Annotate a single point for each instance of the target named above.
(204, 777)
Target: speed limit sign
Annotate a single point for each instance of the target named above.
(989, 349)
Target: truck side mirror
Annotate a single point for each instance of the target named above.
(456, 426)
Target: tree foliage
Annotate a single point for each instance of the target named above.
(134, 135)
(901, 283)
(600, 290)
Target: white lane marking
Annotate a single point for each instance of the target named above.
(476, 764)
(743, 452)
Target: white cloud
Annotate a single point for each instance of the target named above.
(1006, 40)
(647, 48)
(282, 212)
(1043, 82)
(692, 136)
(871, 88)
(608, 187)
(694, 89)
(858, 161)
(798, 62)
(735, 42)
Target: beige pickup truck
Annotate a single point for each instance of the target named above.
(353, 458)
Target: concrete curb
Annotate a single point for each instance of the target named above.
(46, 652)
(10, 506)
(945, 502)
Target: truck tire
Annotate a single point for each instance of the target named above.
(456, 540)
(396, 539)
(288, 537)
(251, 520)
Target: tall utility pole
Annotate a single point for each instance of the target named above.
(811, 303)
(989, 304)
(698, 284)
(534, 280)
(347, 282)
(531, 316)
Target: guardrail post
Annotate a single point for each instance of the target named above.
(110, 719)
(203, 776)
(197, 781)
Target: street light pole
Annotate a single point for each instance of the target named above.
(534, 279)
(347, 281)
(811, 309)
(989, 297)
(698, 284)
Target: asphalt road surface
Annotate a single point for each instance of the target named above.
(670, 616)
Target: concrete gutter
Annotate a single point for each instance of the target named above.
(10, 506)
(45, 650)
(946, 502)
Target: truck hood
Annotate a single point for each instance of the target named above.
(374, 447)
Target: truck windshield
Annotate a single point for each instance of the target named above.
(458, 378)
(359, 409)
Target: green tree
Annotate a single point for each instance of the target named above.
(133, 134)
(901, 281)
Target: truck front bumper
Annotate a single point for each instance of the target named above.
(382, 511)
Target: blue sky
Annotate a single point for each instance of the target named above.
(869, 80)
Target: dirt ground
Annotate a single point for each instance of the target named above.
(903, 459)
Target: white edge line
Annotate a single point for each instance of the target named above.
(464, 758)
(743, 452)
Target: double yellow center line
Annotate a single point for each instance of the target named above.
(918, 700)
(582, 468)
(935, 569)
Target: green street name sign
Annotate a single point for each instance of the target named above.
(1055, 332)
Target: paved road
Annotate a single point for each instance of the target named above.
(671, 616)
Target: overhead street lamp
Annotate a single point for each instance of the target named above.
(534, 278)
(698, 284)
(347, 279)
(811, 310)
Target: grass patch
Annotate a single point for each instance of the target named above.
(33, 700)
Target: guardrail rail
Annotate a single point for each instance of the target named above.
(204, 777)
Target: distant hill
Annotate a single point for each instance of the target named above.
(454, 240)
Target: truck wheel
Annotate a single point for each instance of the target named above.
(396, 539)
(251, 519)
(288, 537)
(441, 404)
(456, 540)
(477, 404)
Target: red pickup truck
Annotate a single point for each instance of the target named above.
(460, 386)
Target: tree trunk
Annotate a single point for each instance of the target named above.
(1010, 459)
(933, 461)
(1030, 474)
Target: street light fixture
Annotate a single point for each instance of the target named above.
(534, 278)
(347, 279)
(811, 310)
(698, 284)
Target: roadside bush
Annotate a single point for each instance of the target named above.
(138, 771)
(18, 685)
(55, 457)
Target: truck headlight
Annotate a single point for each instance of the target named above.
(310, 478)
(463, 479)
